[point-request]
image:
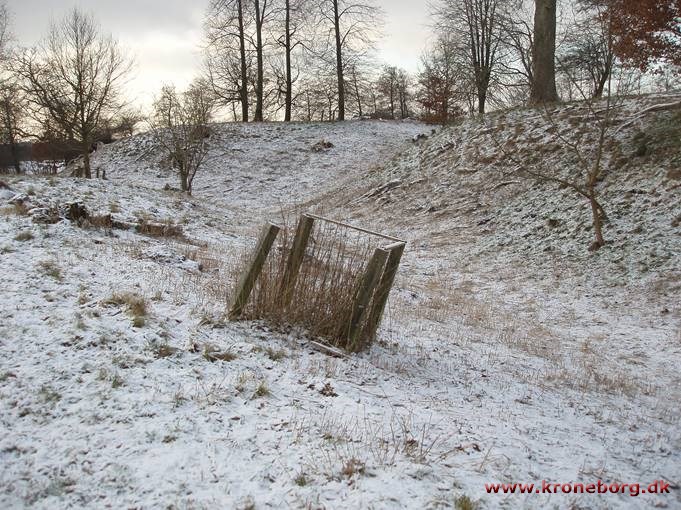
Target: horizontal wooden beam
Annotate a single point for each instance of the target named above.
(353, 227)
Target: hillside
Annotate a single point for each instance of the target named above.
(509, 352)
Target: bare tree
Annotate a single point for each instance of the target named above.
(180, 127)
(12, 106)
(588, 148)
(72, 80)
(479, 24)
(387, 86)
(260, 12)
(544, 54)
(229, 63)
(589, 55)
(4, 32)
(295, 17)
(350, 28)
(11, 99)
(518, 40)
(443, 82)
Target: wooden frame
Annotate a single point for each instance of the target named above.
(373, 288)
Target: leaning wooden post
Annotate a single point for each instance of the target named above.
(248, 279)
(383, 290)
(295, 259)
(371, 276)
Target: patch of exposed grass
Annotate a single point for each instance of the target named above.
(275, 354)
(18, 209)
(300, 480)
(262, 390)
(212, 353)
(50, 268)
(465, 503)
(135, 305)
(25, 235)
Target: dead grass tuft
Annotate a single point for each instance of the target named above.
(323, 295)
(17, 209)
(50, 268)
(136, 306)
(167, 229)
(26, 235)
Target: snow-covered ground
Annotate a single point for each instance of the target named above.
(498, 361)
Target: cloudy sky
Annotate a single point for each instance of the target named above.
(164, 35)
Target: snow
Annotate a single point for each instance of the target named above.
(496, 362)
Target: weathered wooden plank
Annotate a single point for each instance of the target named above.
(383, 289)
(295, 258)
(248, 279)
(370, 279)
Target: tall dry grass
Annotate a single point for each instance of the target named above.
(323, 295)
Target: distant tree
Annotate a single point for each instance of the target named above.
(387, 86)
(12, 107)
(12, 102)
(295, 17)
(4, 32)
(229, 61)
(126, 122)
(442, 83)
(479, 27)
(180, 124)
(543, 85)
(349, 28)
(518, 42)
(261, 11)
(589, 54)
(360, 80)
(394, 86)
(72, 81)
(403, 92)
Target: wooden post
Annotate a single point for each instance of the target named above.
(383, 289)
(295, 258)
(247, 280)
(363, 297)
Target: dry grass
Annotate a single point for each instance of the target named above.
(166, 229)
(18, 209)
(323, 295)
(26, 235)
(50, 268)
(136, 306)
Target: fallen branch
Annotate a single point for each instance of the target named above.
(650, 109)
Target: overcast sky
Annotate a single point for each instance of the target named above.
(164, 35)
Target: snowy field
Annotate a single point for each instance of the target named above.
(499, 359)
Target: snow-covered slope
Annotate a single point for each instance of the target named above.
(496, 362)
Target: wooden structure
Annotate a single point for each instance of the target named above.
(372, 291)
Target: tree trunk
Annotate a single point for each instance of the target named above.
(357, 94)
(184, 185)
(392, 103)
(339, 62)
(544, 58)
(243, 91)
(15, 156)
(482, 100)
(597, 223)
(258, 116)
(87, 171)
(289, 78)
